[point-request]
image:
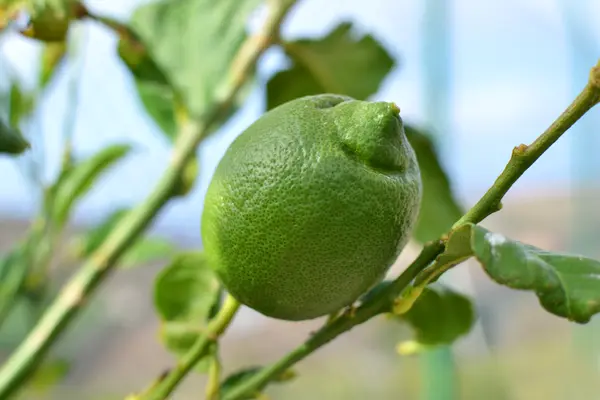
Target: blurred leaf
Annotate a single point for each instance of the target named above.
(338, 63)
(238, 377)
(13, 271)
(49, 374)
(148, 250)
(52, 55)
(11, 140)
(186, 295)
(21, 105)
(440, 315)
(154, 90)
(193, 43)
(84, 245)
(145, 250)
(439, 208)
(49, 20)
(80, 178)
(567, 285)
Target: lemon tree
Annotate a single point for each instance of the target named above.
(303, 217)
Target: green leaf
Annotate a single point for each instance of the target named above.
(339, 63)
(439, 208)
(458, 249)
(21, 105)
(49, 374)
(80, 178)
(193, 42)
(11, 140)
(155, 92)
(187, 294)
(567, 285)
(240, 376)
(237, 378)
(145, 250)
(440, 315)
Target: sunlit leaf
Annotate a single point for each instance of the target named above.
(340, 63)
(440, 315)
(439, 208)
(190, 45)
(186, 295)
(11, 140)
(80, 178)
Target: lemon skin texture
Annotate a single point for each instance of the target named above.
(311, 205)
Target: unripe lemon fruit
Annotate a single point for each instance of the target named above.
(311, 205)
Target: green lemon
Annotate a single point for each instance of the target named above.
(311, 205)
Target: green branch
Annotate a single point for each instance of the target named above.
(74, 294)
(214, 330)
(522, 158)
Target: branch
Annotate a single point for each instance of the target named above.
(522, 158)
(74, 294)
(214, 330)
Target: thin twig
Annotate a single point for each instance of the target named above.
(214, 330)
(523, 157)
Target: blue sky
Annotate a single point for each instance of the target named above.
(511, 74)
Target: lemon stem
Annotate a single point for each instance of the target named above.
(522, 158)
(22, 363)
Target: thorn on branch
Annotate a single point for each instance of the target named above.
(349, 311)
(497, 206)
(163, 374)
(519, 150)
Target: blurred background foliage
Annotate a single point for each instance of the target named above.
(472, 81)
